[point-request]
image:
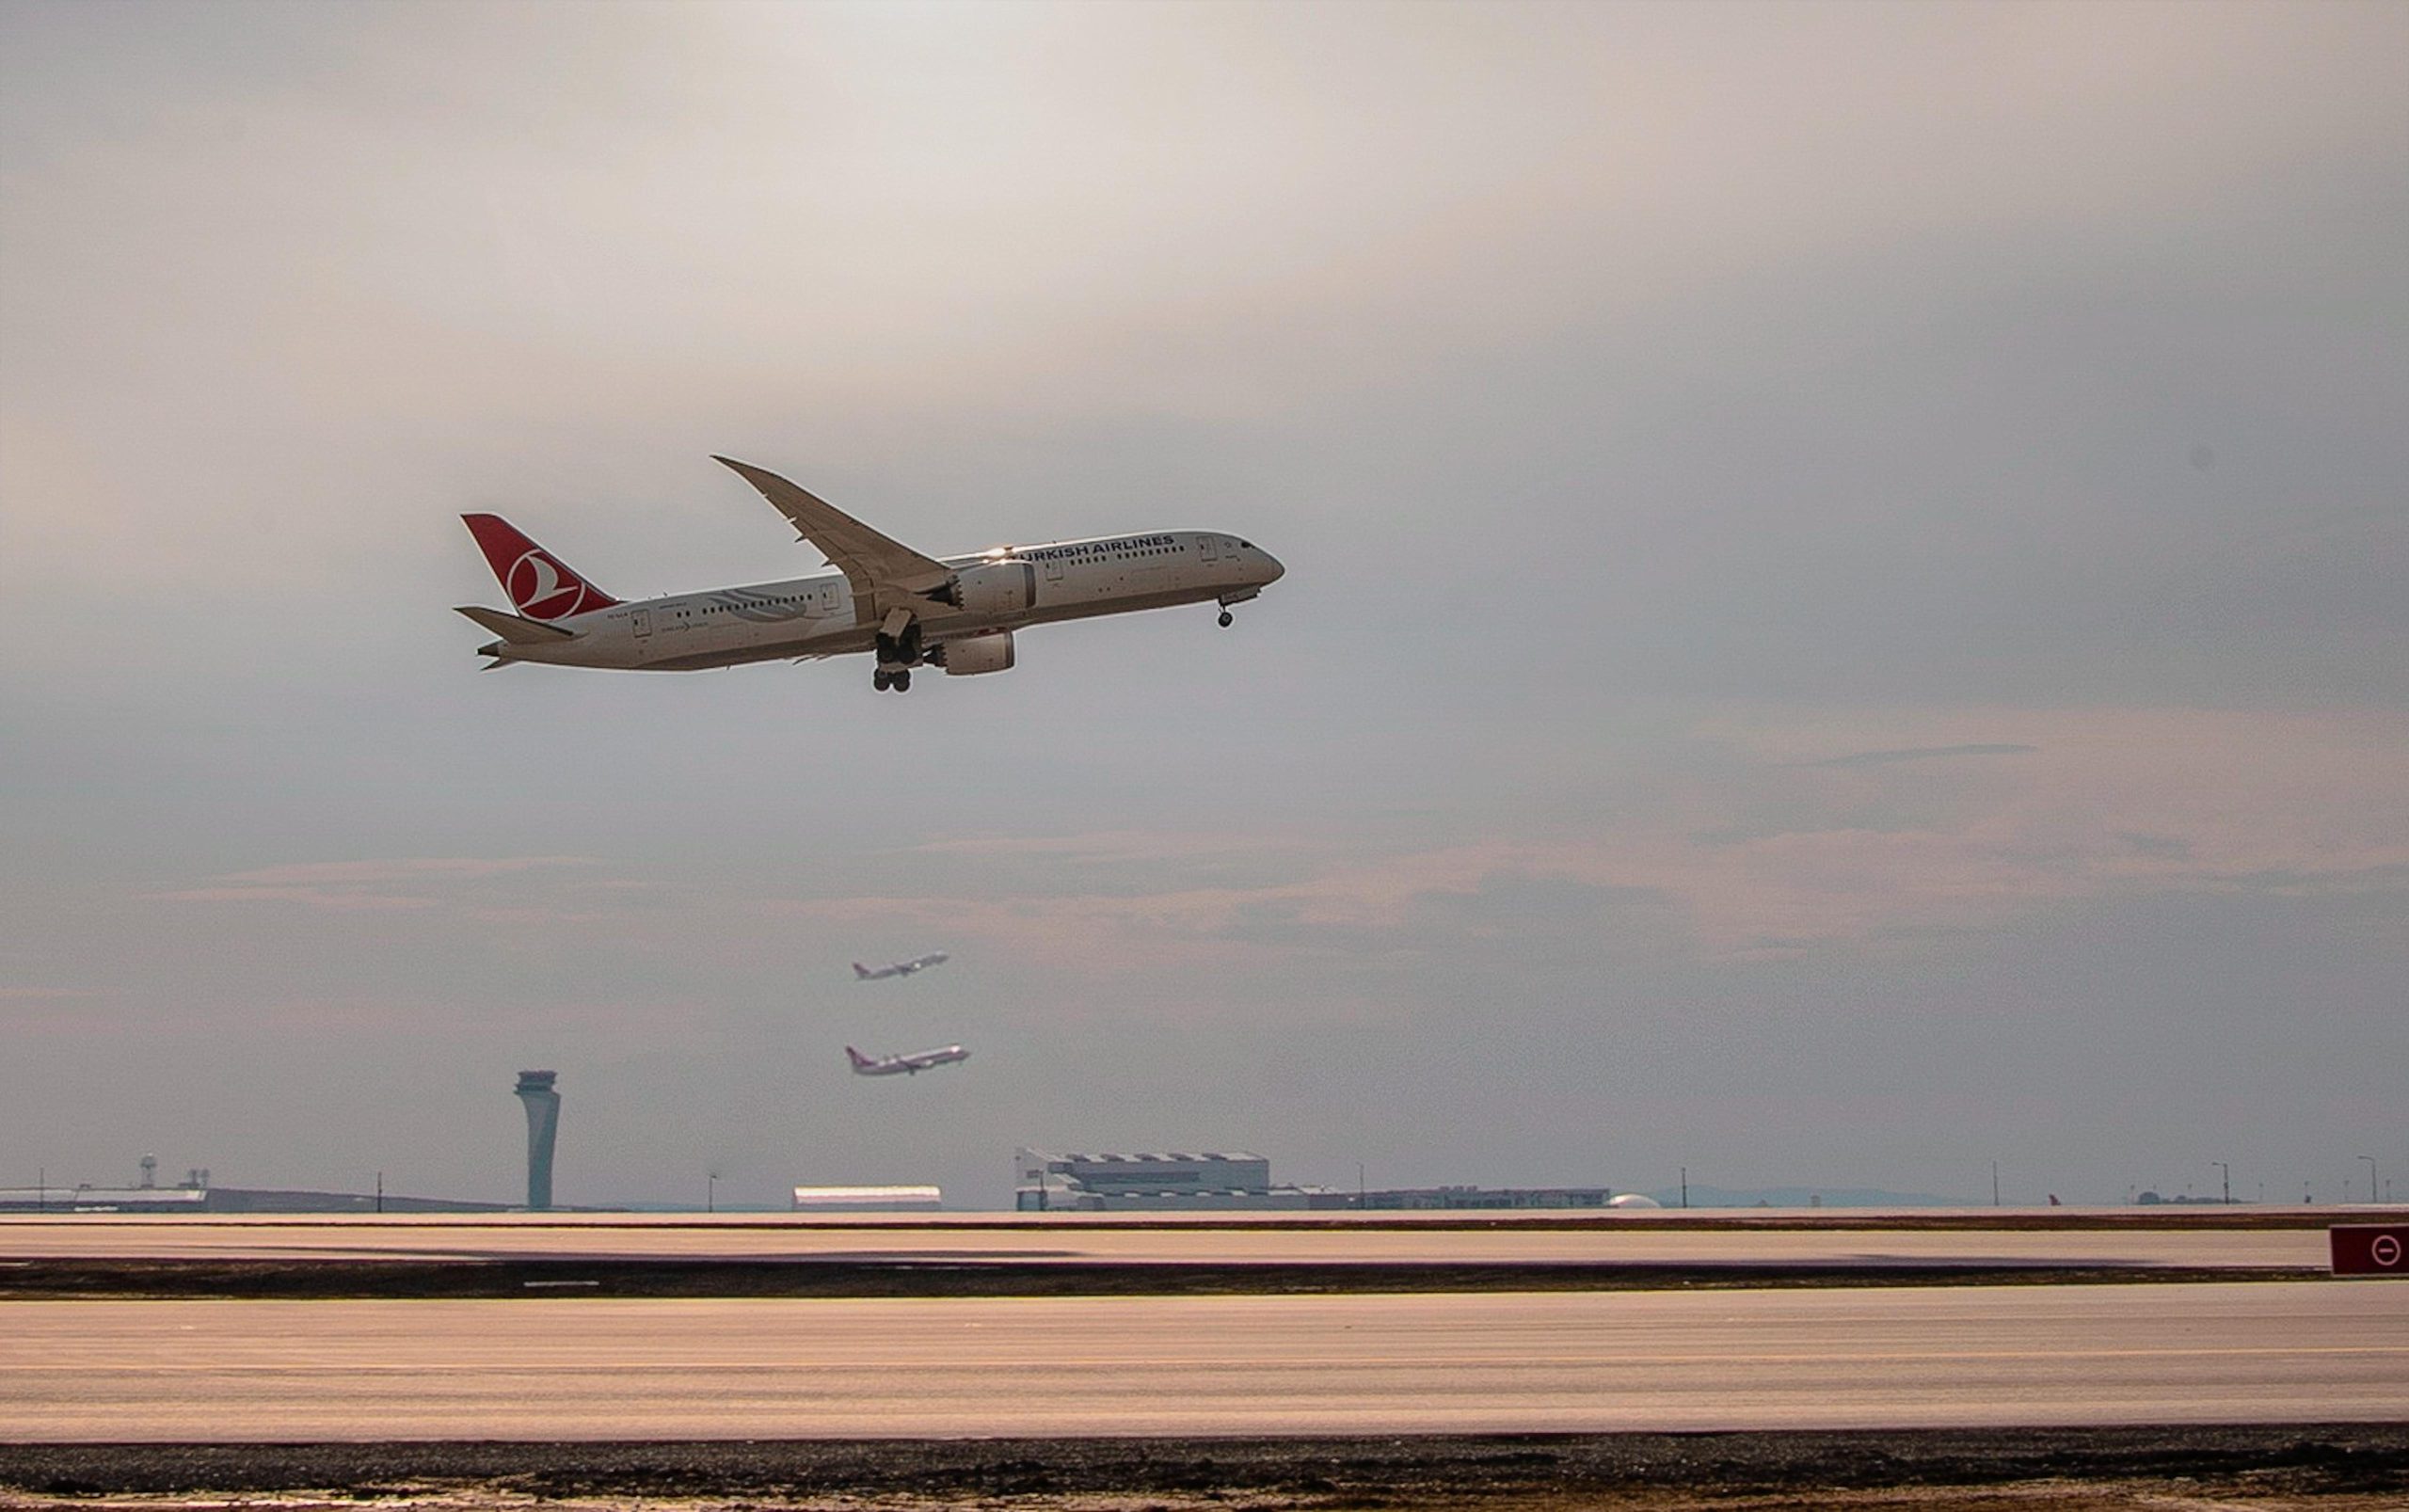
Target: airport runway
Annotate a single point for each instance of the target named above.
(1598, 1240)
(581, 1368)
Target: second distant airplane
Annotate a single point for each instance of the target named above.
(901, 968)
(909, 1065)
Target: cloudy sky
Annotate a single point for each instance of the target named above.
(1846, 615)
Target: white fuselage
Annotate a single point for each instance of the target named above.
(818, 616)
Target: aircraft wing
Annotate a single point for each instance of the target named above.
(882, 570)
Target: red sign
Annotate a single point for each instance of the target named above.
(2370, 1249)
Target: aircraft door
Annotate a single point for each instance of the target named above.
(1053, 573)
(1208, 548)
(643, 623)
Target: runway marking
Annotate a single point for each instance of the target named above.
(1152, 1353)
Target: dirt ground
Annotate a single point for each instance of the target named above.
(2336, 1468)
(2036, 1496)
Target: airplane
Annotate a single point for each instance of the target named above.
(911, 1065)
(956, 612)
(901, 968)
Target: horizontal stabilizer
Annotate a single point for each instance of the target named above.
(511, 627)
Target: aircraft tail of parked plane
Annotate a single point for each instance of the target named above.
(910, 1065)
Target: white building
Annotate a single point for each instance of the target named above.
(867, 1200)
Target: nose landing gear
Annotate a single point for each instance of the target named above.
(1227, 619)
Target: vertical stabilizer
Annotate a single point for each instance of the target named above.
(540, 585)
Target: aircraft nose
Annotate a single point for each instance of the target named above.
(1273, 571)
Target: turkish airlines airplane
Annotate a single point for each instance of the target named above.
(910, 611)
(901, 968)
(911, 1065)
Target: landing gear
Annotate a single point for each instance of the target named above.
(1226, 620)
(897, 654)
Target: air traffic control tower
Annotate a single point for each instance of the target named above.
(543, 1123)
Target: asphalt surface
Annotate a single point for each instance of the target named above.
(1442, 1239)
(561, 1366)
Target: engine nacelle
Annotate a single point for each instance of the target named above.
(975, 654)
(992, 589)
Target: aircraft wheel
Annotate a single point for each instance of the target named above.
(902, 682)
(879, 680)
(1225, 620)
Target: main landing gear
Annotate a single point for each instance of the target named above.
(897, 654)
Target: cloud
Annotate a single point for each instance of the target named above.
(1887, 850)
(1112, 845)
(359, 873)
(2157, 847)
(341, 900)
(411, 882)
(1929, 753)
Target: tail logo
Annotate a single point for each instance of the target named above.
(543, 588)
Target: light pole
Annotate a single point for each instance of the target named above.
(1994, 1184)
(710, 1191)
(2371, 1160)
(2227, 1171)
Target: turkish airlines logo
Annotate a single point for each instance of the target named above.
(543, 588)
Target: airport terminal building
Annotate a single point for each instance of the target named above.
(1155, 1183)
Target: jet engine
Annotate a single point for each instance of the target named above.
(991, 589)
(975, 654)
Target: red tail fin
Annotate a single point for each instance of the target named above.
(540, 584)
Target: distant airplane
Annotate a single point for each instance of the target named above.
(901, 968)
(911, 1065)
(956, 612)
